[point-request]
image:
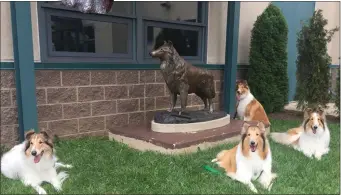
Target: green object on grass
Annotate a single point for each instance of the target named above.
(213, 170)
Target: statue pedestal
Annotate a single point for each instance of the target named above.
(188, 121)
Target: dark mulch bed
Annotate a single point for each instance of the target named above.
(297, 115)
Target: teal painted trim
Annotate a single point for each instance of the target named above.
(107, 66)
(231, 55)
(103, 66)
(295, 13)
(6, 65)
(24, 66)
(334, 66)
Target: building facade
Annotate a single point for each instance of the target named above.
(82, 74)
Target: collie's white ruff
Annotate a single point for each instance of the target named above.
(310, 144)
(16, 165)
(251, 168)
(245, 100)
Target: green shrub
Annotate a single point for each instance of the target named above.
(268, 77)
(313, 78)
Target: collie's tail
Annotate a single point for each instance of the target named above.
(284, 138)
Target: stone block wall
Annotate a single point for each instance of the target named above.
(9, 115)
(73, 103)
(90, 102)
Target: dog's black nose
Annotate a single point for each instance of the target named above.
(150, 53)
(315, 127)
(253, 143)
(34, 153)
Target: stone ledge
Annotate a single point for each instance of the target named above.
(147, 146)
(142, 138)
(190, 127)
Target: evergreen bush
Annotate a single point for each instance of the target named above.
(313, 78)
(268, 77)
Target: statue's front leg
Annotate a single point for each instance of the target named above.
(183, 96)
(173, 98)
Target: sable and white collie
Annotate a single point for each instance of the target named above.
(250, 159)
(312, 137)
(34, 162)
(248, 107)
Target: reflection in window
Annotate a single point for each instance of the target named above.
(77, 35)
(121, 7)
(180, 11)
(184, 41)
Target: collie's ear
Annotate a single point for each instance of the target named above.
(170, 43)
(49, 141)
(261, 126)
(164, 42)
(244, 128)
(307, 112)
(45, 134)
(321, 112)
(29, 133)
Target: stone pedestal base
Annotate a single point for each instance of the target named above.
(191, 121)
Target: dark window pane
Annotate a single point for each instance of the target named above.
(167, 10)
(120, 7)
(77, 35)
(184, 41)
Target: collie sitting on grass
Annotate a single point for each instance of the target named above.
(312, 137)
(248, 107)
(34, 162)
(250, 159)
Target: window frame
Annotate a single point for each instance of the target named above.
(137, 27)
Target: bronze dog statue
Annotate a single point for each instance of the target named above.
(183, 78)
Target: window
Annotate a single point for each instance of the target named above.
(126, 34)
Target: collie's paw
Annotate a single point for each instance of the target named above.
(270, 186)
(42, 191)
(326, 151)
(309, 155)
(318, 156)
(252, 188)
(57, 187)
(273, 176)
(68, 166)
(62, 176)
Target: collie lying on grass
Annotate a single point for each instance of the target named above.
(250, 159)
(248, 107)
(312, 137)
(34, 162)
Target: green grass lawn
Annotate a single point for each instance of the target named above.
(102, 166)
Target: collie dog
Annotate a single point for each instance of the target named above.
(34, 162)
(312, 137)
(250, 159)
(248, 107)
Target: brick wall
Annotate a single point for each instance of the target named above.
(9, 116)
(76, 103)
